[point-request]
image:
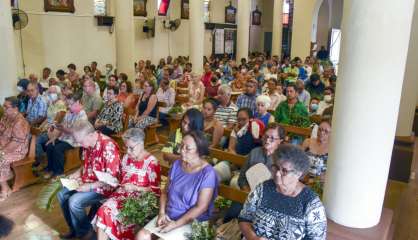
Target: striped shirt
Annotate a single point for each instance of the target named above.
(247, 101)
(226, 114)
(37, 108)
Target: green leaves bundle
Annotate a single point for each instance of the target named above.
(139, 210)
(201, 231)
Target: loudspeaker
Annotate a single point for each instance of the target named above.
(104, 21)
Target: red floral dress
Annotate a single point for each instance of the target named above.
(144, 173)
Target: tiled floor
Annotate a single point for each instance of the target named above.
(34, 224)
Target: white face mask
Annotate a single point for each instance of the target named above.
(52, 97)
(20, 89)
(327, 98)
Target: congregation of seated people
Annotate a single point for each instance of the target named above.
(243, 108)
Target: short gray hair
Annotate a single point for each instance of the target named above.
(83, 128)
(136, 135)
(293, 155)
(226, 89)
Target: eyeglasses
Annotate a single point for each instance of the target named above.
(270, 138)
(131, 148)
(326, 131)
(283, 171)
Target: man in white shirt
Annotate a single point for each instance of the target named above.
(327, 101)
(303, 95)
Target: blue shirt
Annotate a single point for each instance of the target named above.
(247, 101)
(36, 109)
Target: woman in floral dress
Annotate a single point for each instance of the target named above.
(140, 172)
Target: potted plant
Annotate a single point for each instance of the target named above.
(139, 210)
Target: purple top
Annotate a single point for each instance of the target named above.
(184, 188)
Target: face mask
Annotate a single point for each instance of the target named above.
(327, 98)
(20, 89)
(52, 97)
(314, 107)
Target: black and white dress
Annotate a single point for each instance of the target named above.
(276, 216)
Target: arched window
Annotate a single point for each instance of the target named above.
(206, 11)
(100, 7)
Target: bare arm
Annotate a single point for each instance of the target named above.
(218, 132)
(232, 144)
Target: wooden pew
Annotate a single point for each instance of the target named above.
(72, 159)
(238, 160)
(298, 131)
(23, 168)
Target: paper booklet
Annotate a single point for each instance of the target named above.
(257, 174)
(70, 184)
(106, 178)
(175, 234)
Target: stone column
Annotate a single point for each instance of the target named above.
(372, 70)
(410, 83)
(125, 34)
(243, 31)
(276, 48)
(8, 59)
(197, 33)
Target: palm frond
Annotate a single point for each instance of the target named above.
(47, 195)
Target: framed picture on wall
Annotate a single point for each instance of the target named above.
(140, 8)
(230, 13)
(256, 16)
(59, 6)
(185, 9)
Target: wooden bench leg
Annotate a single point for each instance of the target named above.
(72, 159)
(23, 176)
(151, 136)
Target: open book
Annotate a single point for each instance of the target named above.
(70, 184)
(106, 178)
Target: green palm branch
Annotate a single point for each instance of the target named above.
(47, 195)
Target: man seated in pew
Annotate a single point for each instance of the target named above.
(14, 142)
(248, 98)
(226, 112)
(272, 138)
(146, 108)
(212, 127)
(109, 120)
(246, 134)
(284, 199)
(192, 120)
(60, 138)
(100, 153)
(37, 107)
(55, 114)
(317, 150)
(140, 172)
(275, 92)
(167, 95)
(292, 112)
(313, 106)
(189, 194)
(91, 101)
(263, 103)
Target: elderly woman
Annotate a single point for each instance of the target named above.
(109, 120)
(196, 91)
(192, 121)
(212, 127)
(14, 142)
(190, 191)
(246, 134)
(146, 108)
(317, 149)
(140, 172)
(263, 103)
(284, 199)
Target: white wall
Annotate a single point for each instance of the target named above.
(56, 39)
